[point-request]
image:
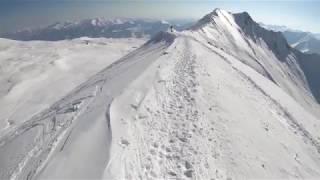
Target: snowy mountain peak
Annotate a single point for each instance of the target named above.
(221, 17)
(218, 11)
(274, 40)
(240, 25)
(210, 18)
(264, 50)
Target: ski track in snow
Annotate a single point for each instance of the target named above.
(51, 135)
(34, 75)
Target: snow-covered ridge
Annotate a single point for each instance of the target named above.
(200, 112)
(277, 42)
(264, 50)
(274, 40)
(212, 102)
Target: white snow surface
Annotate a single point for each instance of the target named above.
(211, 102)
(34, 75)
(200, 113)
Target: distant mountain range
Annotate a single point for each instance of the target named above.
(303, 41)
(98, 27)
(279, 28)
(306, 42)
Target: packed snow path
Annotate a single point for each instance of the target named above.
(200, 113)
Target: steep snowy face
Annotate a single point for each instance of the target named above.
(266, 51)
(310, 63)
(278, 44)
(274, 40)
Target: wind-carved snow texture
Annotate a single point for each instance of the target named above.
(34, 75)
(207, 103)
(42, 132)
(73, 128)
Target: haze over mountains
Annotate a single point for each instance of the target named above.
(306, 42)
(223, 99)
(93, 28)
(303, 41)
(142, 28)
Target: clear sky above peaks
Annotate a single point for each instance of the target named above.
(17, 14)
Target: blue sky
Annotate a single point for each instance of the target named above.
(17, 14)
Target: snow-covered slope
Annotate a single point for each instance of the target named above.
(33, 75)
(98, 27)
(265, 51)
(70, 139)
(201, 113)
(223, 100)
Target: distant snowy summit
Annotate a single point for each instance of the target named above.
(306, 42)
(93, 28)
(280, 28)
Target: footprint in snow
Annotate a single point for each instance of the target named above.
(124, 142)
(188, 173)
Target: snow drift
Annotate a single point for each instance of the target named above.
(34, 75)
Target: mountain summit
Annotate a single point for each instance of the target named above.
(264, 50)
(225, 99)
